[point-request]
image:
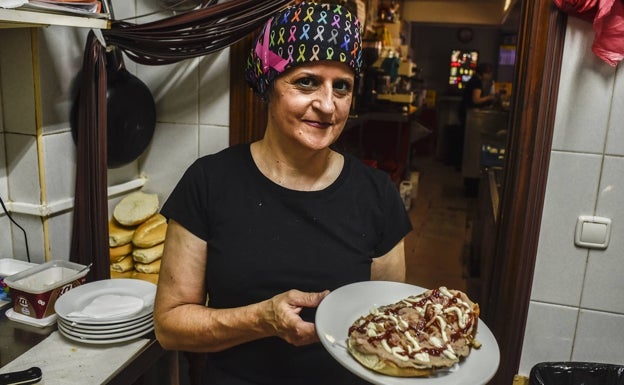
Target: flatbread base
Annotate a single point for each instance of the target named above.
(374, 363)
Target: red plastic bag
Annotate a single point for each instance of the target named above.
(609, 28)
(585, 9)
(607, 17)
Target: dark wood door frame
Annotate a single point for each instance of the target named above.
(538, 64)
(540, 46)
(248, 113)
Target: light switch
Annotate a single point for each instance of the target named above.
(592, 232)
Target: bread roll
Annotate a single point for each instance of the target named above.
(116, 274)
(116, 253)
(148, 268)
(136, 208)
(151, 232)
(153, 278)
(126, 264)
(148, 255)
(119, 235)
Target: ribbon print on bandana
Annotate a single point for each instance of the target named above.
(315, 31)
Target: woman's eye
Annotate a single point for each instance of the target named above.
(342, 86)
(306, 82)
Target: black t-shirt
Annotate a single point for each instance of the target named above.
(474, 83)
(264, 239)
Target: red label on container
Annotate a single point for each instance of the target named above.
(41, 305)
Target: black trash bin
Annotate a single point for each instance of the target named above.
(576, 373)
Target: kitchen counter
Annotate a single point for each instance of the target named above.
(487, 126)
(17, 339)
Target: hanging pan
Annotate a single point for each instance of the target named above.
(131, 112)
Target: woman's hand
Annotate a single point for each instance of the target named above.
(283, 316)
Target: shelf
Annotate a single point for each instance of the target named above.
(15, 18)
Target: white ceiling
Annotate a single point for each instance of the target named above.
(477, 12)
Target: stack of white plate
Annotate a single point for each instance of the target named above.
(108, 311)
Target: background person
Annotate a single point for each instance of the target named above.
(266, 230)
(476, 94)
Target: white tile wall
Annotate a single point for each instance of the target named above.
(214, 93)
(549, 334)
(123, 174)
(615, 142)
(171, 152)
(570, 192)
(585, 91)
(175, 90)
(4, 188)
(599, 337)
(1, 118)
(16, 77)
(22, 165)
(34, 236)
(213, 139)
(6, 246)
(59, 162)
(6, 243)
(604, 286)
(61, 52)
(123, 9)
(60, 229)
(584, 178)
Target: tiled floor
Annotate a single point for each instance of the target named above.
(440, 215)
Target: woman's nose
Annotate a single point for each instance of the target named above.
(325, 100)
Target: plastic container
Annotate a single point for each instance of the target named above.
(35, 290)
(9, 266)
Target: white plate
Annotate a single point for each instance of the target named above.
(107, 341)
(104, 328)
(100, 337)
(343, 306)
(79, 297)
(95, 332)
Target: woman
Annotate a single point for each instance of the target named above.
(474, 95)
(265, 230)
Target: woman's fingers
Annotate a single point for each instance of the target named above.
(285, 319)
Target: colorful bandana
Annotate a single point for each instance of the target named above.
(301, 34)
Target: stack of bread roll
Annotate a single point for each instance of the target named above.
(136, 237)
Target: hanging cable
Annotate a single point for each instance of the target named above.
(16, 224)
(210, 28)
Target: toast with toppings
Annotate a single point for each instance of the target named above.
(417, 335)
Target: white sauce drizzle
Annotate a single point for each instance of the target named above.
(461, 308)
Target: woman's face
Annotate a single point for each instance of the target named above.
(309, 104)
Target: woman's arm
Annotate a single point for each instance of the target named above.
(391, 266)
(477, 97)
(183, 322)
